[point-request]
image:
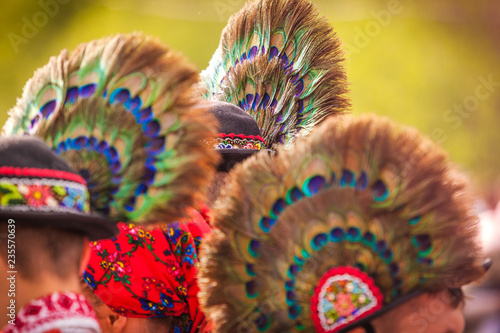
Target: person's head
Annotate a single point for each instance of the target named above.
(41, 260)
(438, 312)
(45, 251)
(112, 322)
(45, 220)
(239, 137)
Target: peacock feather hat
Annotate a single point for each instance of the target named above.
(122, 110)
(280, 62)
(350, 222)
(37, 188)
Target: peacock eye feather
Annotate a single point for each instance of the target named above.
(156, 145)
(263, 322)
(145, 115)
(369, 239)
(34, 122)
(253, 52)
(250, 269)
(381, 246)
(290, 285)
(47, 109)
(319, 241)
(299, 87)
(353, 234)
(415, 220)
(130, 205)
(293, 195)
(314, 185)
(273, 52)
(293, 270)
(279, 119)
(362, 181)
(151, 129)
(300, 106)
(273, 105)
(380, 191)
(133, 104)
(362, 267)
(256, 102)
(387, 256)
(71, 95)
(337, 235)
(278, 208)
(87, 90)
(254, 248)
(249, 100)
(394, 269)
(291, 298)
(294, 311)
(266, 224)
(298, 261)
(348, 179)
(251, 289)
(284, 59)
(265, 101)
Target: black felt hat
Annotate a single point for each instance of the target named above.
(239, 135)
(39, 188)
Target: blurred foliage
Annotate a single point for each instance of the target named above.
(415, 64)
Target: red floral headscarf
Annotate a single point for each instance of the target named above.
(150, 273)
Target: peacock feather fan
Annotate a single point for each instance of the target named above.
(122, 111)
(281, 63)
(364, 196)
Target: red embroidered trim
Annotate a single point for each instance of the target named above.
(41, 173)
(60, 311)
(345, 274)
(237, 141)
(242, 136)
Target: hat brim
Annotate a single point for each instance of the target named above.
(388, 307)
(233, 156)
(93, 226)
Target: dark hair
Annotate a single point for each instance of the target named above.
(43, 249)
(158, 325)
(215, 187)
(456, 296)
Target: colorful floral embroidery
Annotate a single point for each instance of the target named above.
(43, 195)
(240, 141)
(344, 295)
(150, 272)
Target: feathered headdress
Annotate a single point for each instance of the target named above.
(282, 63)
(342, 226)
(121, 110)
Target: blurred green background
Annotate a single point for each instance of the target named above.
(432, 64)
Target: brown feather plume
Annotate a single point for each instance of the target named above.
(283, 64)
(403, 213)
(123, 111)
